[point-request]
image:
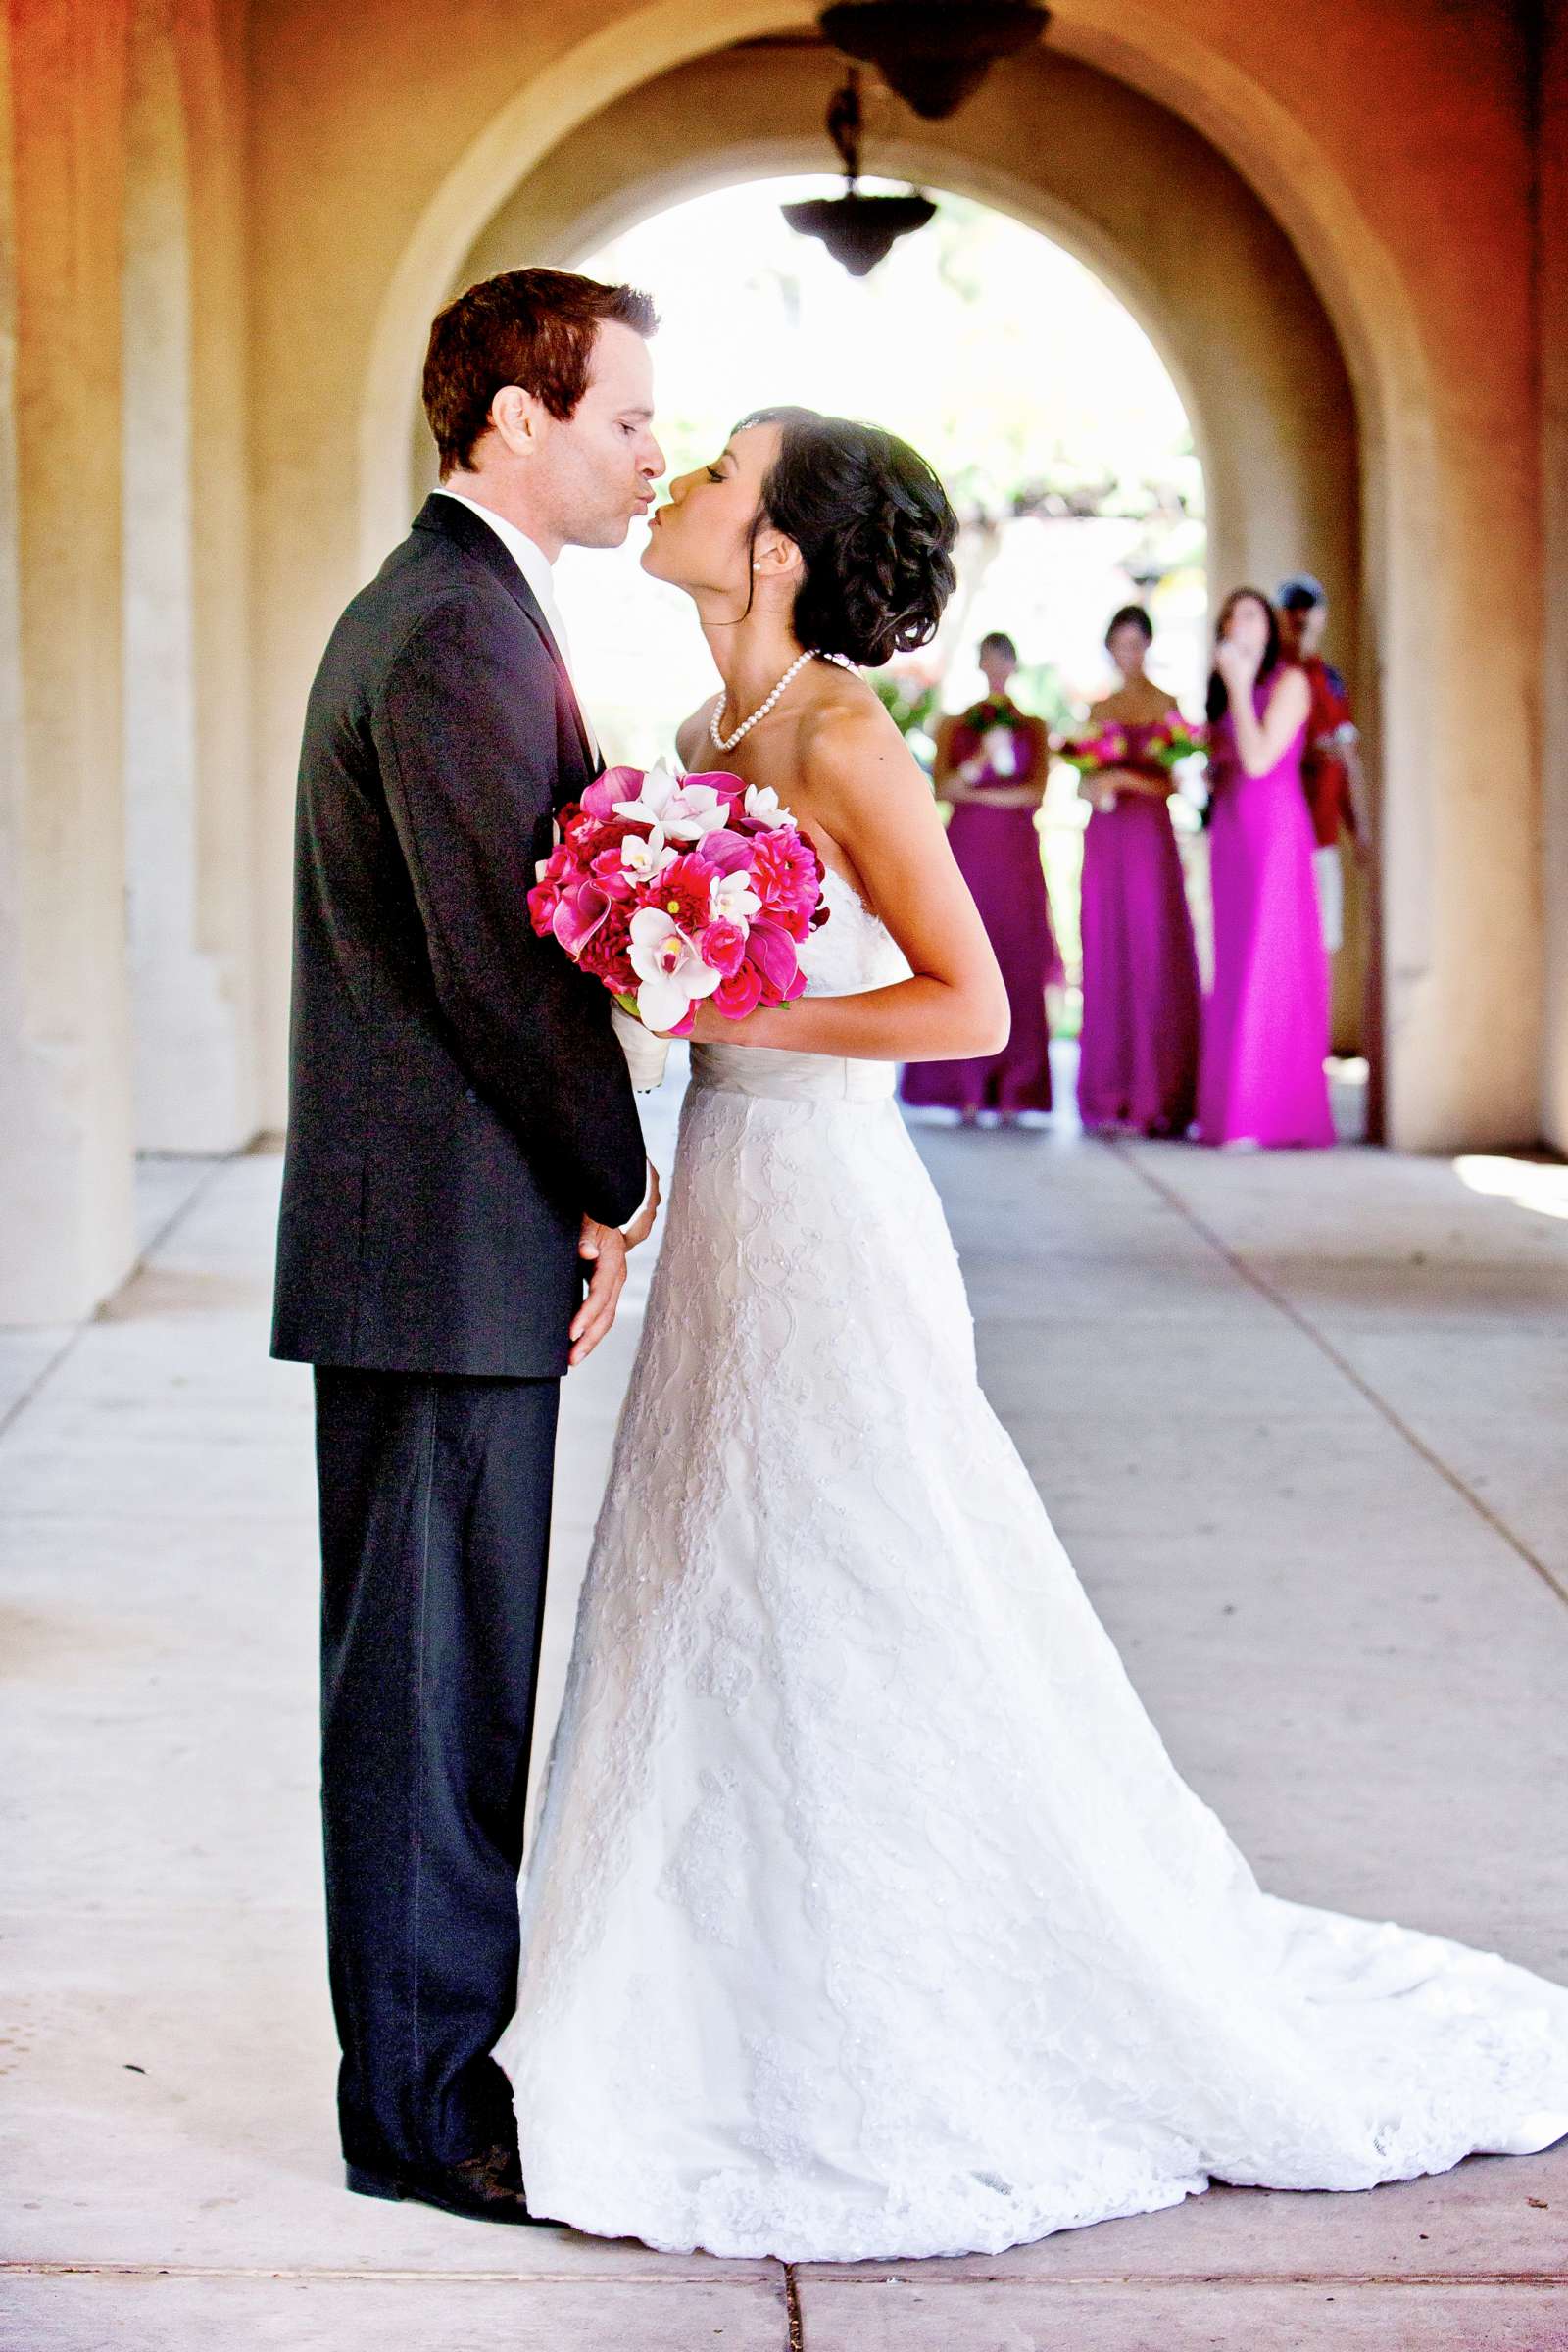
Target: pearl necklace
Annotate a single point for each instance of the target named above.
(727, 743)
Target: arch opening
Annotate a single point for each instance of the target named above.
(1017, 372)
(1235, 318)
(1404, 563)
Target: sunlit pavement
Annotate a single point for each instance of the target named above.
(1299, 1419)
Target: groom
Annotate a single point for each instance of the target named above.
(462, 1143)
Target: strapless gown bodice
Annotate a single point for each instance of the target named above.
(852, 951)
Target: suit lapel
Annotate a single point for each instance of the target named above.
(450, 520)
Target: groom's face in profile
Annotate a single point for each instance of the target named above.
(597, 467)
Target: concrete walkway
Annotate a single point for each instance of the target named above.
(1300, 1421)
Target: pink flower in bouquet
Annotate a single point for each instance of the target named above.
(684, 891)
(723, 945)
(607, 954)
(606, 792)
(740, 993)
(770, 952)
(787, 878)
(726, 850)
(719, 780)
(545, 896)
(622, 857)
(580, 909)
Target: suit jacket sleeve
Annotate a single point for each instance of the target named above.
(465, 740)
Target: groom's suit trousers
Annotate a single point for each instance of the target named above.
(435, 1526)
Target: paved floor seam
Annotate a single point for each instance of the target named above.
(1342, 1363)
(875, 2275)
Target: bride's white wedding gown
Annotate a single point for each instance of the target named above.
(867, 1915)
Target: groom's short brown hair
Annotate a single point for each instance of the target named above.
(533, 327)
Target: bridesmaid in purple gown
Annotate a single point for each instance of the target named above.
(1266, 1022)
(1138, 1058)
(993, 766)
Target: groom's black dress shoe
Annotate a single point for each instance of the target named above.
(482, 2188)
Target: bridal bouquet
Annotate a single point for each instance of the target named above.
(671, 891)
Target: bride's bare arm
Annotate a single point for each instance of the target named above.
(878, 806)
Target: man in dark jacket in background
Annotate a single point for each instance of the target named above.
(1331, 766)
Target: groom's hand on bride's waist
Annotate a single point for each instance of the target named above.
(602, 1249)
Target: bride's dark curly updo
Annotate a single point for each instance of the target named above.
(874, 529)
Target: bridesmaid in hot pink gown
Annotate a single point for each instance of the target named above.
(1138, 1055)
(1266, 1022)
(993, 764)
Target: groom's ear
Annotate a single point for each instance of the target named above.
(515, 417)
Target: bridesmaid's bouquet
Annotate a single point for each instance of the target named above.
(1161, 746)
(1171, 740)
(672, 890)
(1092, 755)
(1164, 743)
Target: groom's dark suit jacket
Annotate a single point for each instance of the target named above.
(456, 1097)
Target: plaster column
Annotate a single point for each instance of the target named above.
(186, 816)
(1551, 133)
(65, 1216)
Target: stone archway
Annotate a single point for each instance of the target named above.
(1234, 319)
(1444, 605)
(1234, 315)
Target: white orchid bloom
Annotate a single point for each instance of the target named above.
(645, 855)
(696, 810)
(763, 803)
(734, 901)
(654, 794)
(668, 967)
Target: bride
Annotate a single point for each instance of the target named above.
(867, 1916)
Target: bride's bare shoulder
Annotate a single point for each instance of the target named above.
(844, 719)
(847, 730)
(692, 734)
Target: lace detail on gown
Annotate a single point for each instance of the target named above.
(867, 1916)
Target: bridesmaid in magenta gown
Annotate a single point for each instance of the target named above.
(1266, 1022)
(992, 764)
(1138, 1058)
